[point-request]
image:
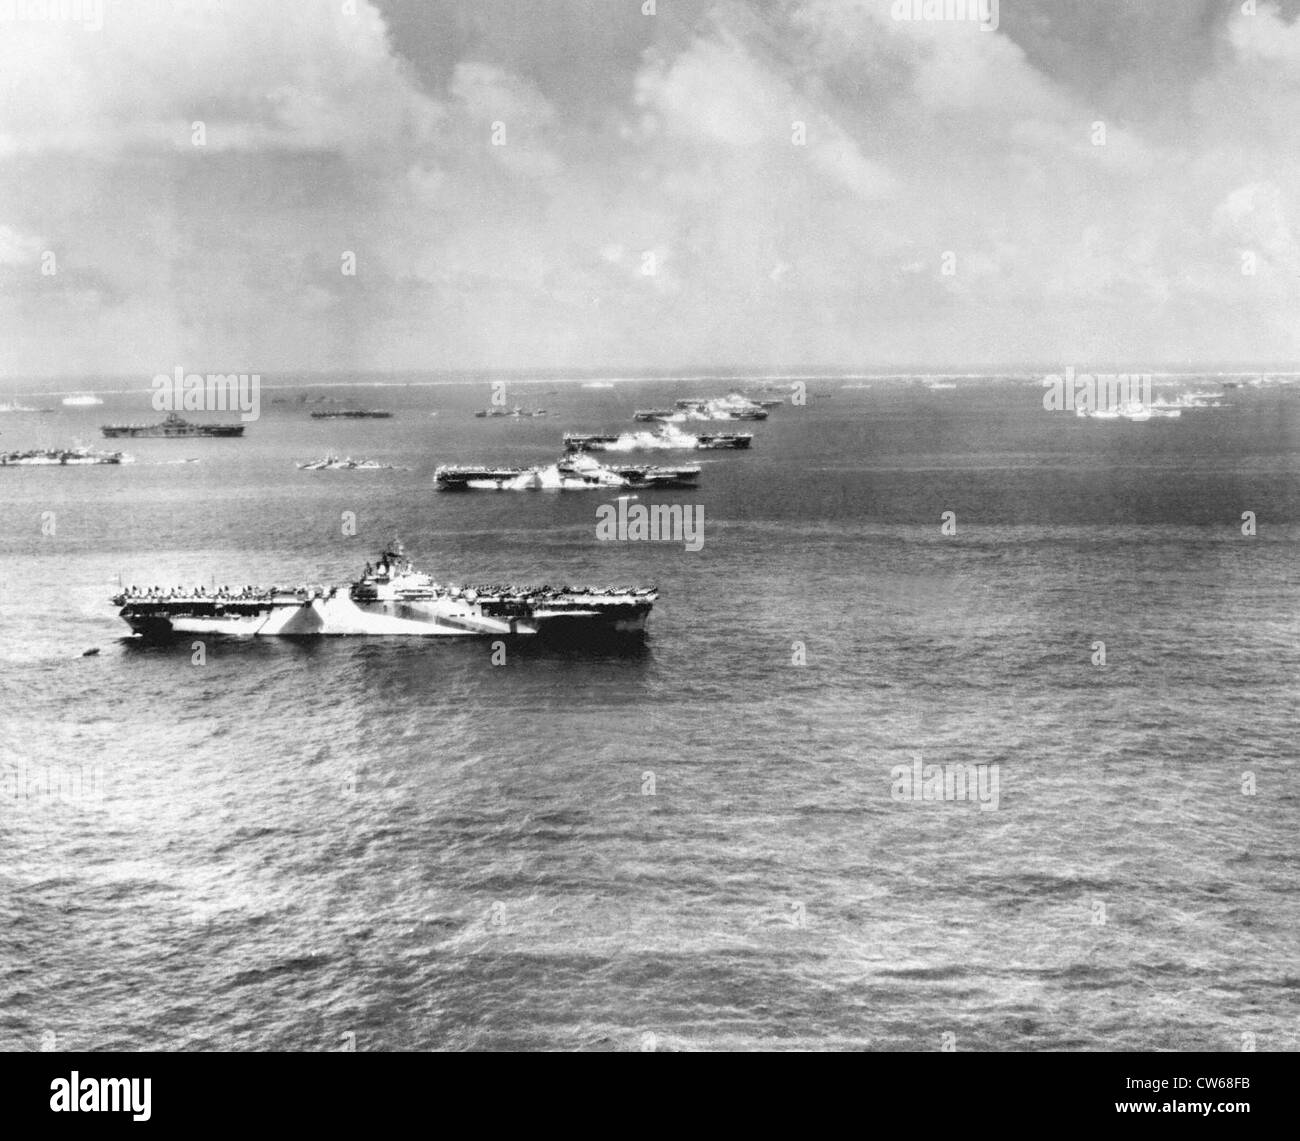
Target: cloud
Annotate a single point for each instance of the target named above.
(259, 77)
(797, 168)
(1255, 217)
(18, 249)
(1266, 36)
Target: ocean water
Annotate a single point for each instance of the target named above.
(691, 842)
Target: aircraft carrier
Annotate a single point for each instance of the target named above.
(172, 427)
(578, 472)
(390, 598)
(668, 438)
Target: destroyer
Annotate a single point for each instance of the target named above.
(390, 598)
(172, 427)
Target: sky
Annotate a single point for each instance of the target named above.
(589, 184)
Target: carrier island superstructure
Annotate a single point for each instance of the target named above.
(390, 598)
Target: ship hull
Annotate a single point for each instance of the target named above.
(79, 462)
(723, 443)
(351, 415)
(79, 458)
(646, 443)
(344, 617)
(559, 478)
(208, 431)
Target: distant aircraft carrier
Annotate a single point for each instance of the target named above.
(172, 427)
(668, 438)
(572, 473)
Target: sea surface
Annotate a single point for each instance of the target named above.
(692, 842)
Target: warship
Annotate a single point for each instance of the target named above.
(62, 457)
(648, 475)
(694, 413)
(571, 473)
(352, 414)
(515, 413)
(667, 438)
(171, 428)
(390, 598)
(343, 463)
(730, 407)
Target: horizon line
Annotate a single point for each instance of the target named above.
(292, 377)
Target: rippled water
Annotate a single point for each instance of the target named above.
(689, 843)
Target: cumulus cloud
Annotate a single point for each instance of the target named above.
(1255, 217)
(259, 76)
(778, 182)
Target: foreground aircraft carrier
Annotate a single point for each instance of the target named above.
(390, 598)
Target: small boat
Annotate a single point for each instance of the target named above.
(81, 400)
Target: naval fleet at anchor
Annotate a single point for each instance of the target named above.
(392, 598)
